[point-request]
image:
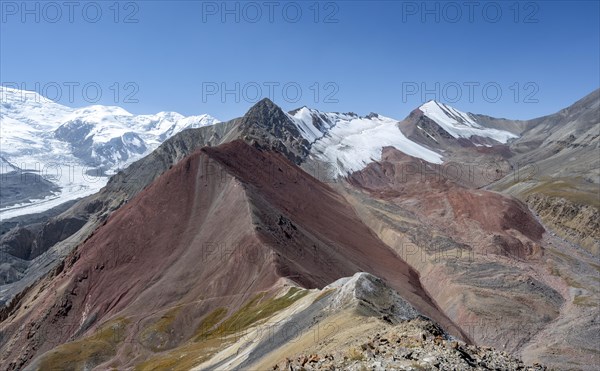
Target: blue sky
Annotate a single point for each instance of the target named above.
(506, 59)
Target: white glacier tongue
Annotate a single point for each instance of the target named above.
(66, 145)
(349, 142)
(303, 119)
(460, 124)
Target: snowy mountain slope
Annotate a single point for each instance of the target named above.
(460, 124)
(76, 149)
(349, 142)
(110, 137)
(314, 124)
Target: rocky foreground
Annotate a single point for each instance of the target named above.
(417, 344)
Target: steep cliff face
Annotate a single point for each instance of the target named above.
(267, 124)
(571, 220)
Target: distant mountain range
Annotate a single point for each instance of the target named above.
(69, 153)
(229, 246)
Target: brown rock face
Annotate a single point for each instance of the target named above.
(222, 225)
(25, 244)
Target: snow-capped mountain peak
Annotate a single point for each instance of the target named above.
(460, 124)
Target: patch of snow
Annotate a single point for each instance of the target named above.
(427, 133)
